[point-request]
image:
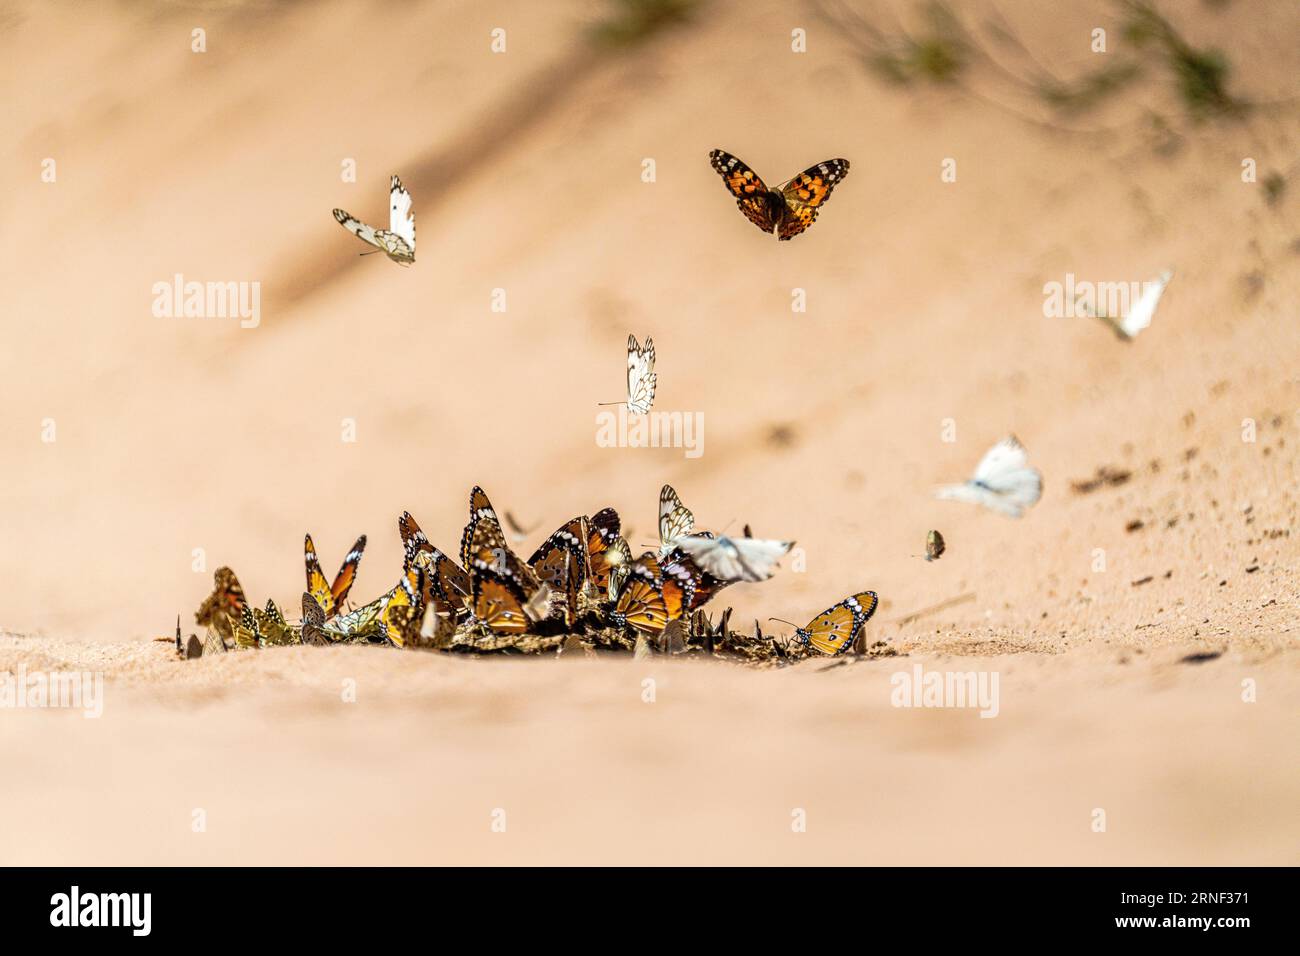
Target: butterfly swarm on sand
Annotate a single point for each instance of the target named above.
(581, 591)
(398, 240)
(790, 208)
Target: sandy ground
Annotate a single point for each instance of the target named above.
(924, 304)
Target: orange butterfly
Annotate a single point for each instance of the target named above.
(790, 208)
(835, 629)
(505, 594)
(444, 580)
(330, 597)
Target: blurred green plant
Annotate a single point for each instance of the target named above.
(630, 22)
(937, 55)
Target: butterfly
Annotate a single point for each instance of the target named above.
(563, 564)
(313, 621)
(444, 580)
(398, 240)
(603, 546)
(1141, 313)
(331, 596)
(505, 594)
(687, 586)
(934, 546)
(223, 607)
(618, 562)
(834, 630)
(639, 601)
(480, 508)
(790, 208)
(641, 378)
(1003, 481)
(245, 630)
(735, 559)
(675, 519)
(271, 627)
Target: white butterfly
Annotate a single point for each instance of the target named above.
(675, 520)
(398, 240)
(1142, 311)
(735, 559)
(641, 376)
(1003, 481)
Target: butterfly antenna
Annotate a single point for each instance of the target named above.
(795, 626)
(598, 403)
(368, 253)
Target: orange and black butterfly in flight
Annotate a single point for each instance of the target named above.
(835, 629)
(790, 208)
(505, 594)
(224, 606)
(563, 564)
(331, 596)
(444, 580)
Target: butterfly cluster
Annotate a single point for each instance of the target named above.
(580, 588)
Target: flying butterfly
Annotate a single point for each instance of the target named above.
(641, 377)
(735, 559)
(331, 596)
(834, 630)
(505, 594)
(444, 580)
(790, 208)
(1141, 313)
(398, 240)
(1003, 481)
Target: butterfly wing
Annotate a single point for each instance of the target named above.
(226, 603)
(640, 601)
(480, 508)
(443, 579)
(1003, 481)
(835, 629)
(807, 193)
(603, 531)
(750, 191)
(401, 220)
(736, 559)
(562, 562)
(358, 228)
(675, 519)
(1144, 310)
(641, 378)
(347, 572)
(506, 595)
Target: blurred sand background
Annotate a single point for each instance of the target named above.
(924, 303)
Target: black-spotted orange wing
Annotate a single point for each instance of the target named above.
(753, 198)
(225, 604)
(331, 596)
(505, 593)
(807, 193)
(641, 603)
(444, 580)
(404, 608)
(694, 585)
(835, 629)
(479, 508)
(604, 531)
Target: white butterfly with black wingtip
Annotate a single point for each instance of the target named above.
(398, 240)
(641, 378)
(735, 559)
(1003, 481)
(1142, 311)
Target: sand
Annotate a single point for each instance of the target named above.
(924, 303)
